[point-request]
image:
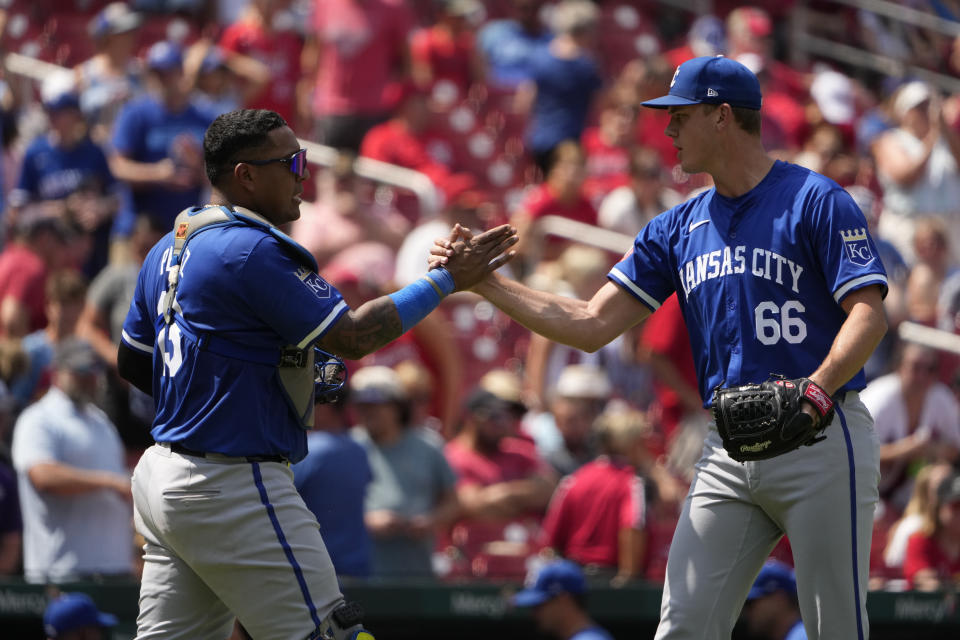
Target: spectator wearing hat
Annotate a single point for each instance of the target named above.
(357, 48)
(333, 479)
(113, 75)
(772, 611)
(217, 86)
(74, 616)
(564, 435)
(502, 483)
(557, 597)
(259, 38)
(40, 246)
(932, 561)
(446, 51)
(73, 484)
(917, 166)
(65, 173)
(598, 515)
(564, 78)
(157, 144)
(411, 497)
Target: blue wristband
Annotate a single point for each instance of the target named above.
(416, 300)
(443, 279)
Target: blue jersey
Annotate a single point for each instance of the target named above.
(50, 172)
(238, 283)
(759, 277)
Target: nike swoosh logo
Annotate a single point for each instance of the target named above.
(694, 225)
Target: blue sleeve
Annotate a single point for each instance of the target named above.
(847, 253)
(27, 181)
(646, 271)
(293, 300)
(139, 330)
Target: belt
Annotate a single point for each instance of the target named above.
(176, 447)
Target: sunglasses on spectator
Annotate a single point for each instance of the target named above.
(297, 162)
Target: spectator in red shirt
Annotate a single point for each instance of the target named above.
(41, 247)
(403, 139)
(503, 486)
(933, 554)
(597, 515)
(358, 47)
(447, 51)
(254, 37)
(561, 194)
(607, 147)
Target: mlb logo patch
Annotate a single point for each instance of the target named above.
(856, 247)
(181, 231)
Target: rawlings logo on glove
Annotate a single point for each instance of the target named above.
(761, 421)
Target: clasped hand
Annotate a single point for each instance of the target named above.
(469, 258)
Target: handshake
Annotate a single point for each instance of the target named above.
(471, 258)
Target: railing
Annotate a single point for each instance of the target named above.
(390, 174)
(804, 45)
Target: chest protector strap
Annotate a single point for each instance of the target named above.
(294, 367)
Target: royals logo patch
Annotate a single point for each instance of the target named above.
(313, 282)
(856, 246)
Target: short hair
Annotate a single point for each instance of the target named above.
(234, 132)
(747, 119)
(66, 285)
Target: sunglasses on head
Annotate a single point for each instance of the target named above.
(297, 162)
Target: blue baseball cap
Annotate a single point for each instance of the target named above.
(561, 576)
(774, 576)
(72, 611)
(164, 56)
(713, 80)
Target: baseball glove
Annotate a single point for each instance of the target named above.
(761, 421)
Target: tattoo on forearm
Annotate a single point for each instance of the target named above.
(371, 326)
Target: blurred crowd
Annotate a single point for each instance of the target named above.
(468, 448)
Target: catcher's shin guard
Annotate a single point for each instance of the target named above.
(344, 623)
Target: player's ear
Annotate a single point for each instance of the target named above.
(723, 116)
(243, 176)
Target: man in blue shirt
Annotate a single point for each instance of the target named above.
(333, 481)
(771, 611)
(221, 332)
(157, 144)
(775, 271)
(64, 173)
(558, 599)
